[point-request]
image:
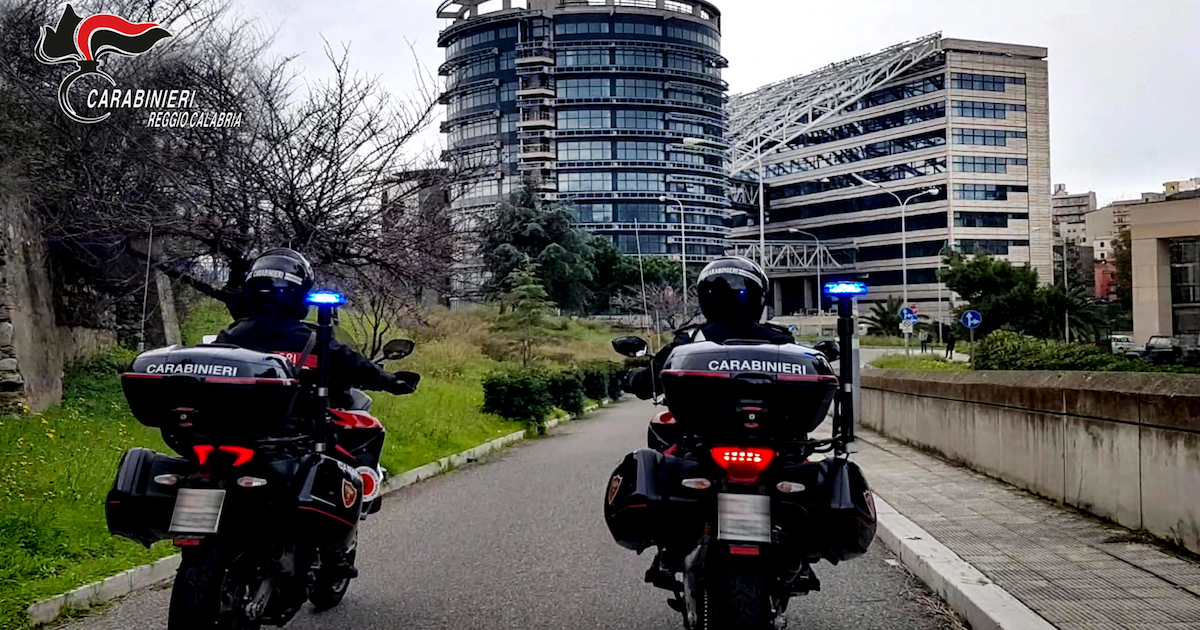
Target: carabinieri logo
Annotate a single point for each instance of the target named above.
(82, 42)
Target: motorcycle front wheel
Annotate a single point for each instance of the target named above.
(218, 587)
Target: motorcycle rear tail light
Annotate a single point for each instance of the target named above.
(251, 482)
(202, 452)
(743, 464)
(241, 453)
(697, 484)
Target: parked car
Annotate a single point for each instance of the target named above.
(1122, 344)
(1159, 350)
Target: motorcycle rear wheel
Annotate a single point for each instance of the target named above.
(327, 592)
(210, 586)
(739, 598)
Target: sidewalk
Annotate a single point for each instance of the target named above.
(1076, 571)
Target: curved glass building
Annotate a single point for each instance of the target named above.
(617, 106)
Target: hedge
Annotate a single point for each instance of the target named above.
(1006, 350)
(529, 394)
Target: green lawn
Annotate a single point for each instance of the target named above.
(917, 362)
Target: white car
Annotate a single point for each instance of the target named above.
(1121, 343)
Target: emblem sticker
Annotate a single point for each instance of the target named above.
(614, 485)
(349, 494)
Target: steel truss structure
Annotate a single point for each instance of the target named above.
(766, 120)
(789, 256)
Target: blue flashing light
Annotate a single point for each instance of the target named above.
(325, 298)
(845, 288)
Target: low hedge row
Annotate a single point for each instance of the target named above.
(1006, 350)
(529, 394)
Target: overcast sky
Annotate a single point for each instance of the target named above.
(1124, 74)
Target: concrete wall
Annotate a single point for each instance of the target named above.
(1125, 447)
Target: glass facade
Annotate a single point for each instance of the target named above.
(1185, 286)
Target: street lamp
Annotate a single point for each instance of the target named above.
(762, 200)
(682, 248)
(903, 233)
(820, 287)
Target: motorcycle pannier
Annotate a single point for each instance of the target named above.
(214, 389)
(639, 506)
(787, 387)
(330, 502)
(137, 507)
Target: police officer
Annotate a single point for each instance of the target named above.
(274, 292)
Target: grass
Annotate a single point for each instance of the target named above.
(57, 467)
(917, 362)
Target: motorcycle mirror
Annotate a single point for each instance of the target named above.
(397, 349)
(631, 346)
(830, 348)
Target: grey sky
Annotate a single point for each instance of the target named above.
(1124, 74)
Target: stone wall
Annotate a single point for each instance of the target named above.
(1125, 447)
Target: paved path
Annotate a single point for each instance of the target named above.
(520, 542)
(1078, 572)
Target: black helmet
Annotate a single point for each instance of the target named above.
(279, 280)
(732, 290)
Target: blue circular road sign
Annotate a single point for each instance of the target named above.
(972, 319)
(907, 314)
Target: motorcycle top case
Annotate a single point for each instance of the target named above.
(644, 504)
(329, 503)
(210, 388)
(787, 387)
(137, 507)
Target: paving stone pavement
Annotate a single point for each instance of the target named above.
(1073, 569)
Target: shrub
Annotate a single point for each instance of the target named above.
(1006, 350)
(598, 378)
(566, 390)
(520, 395)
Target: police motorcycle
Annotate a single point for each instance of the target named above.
(269, 485)
(732, 480)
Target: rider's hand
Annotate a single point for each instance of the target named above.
(403, 383)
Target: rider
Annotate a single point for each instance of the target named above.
(275, 291)
(733, 294)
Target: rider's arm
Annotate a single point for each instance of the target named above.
(355, 370)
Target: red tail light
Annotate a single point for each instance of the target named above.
(743, 464)
(202, 452)
(241, 453)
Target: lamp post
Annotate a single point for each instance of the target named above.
(682, 249)
(820, 287)
(903, 234)
(941, 316)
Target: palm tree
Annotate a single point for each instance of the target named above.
(884, 318)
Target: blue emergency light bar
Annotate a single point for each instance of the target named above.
(845, 288)
(325, 298)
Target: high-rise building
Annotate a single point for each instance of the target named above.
(953, 131)
(617, 106)
(1071, 207)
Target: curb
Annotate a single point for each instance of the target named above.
(163, 570)
(984, 604)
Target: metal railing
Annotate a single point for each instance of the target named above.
(788, 256)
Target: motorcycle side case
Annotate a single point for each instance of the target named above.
(329, 502)
(834, 519)
(644, 504)
(138, 508)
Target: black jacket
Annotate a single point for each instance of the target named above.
(644, 383)
(272, 332)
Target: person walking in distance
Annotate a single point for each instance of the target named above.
(950, 340)
(924, 341)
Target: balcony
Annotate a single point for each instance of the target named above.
(534, 91)
(537, 152)
(540, 120)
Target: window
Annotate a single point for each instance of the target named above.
(986, 164)
(472, 100)
(638, 88)
(584, 151)
(583, 88)
(993, 247)
(894, 172)
(580, 28)
(643, 151)
(984, 82)
(855, 154)
(649, 244)
(641, 212)
(508, 92)
(690, 63)
(986, 192)
(508, 60)
(695, 34)
(689, 129)
(594, 212)
(976, 109)
(637, 28)
(584, 119)
(507, 33)
(986, 137)
(640, 181)
(911, 89)
(508, 122)
(584, 182)
(475, 69)
(472, 40)
(640, 58)
(685, 157)
(987, 219)
(871, 125)
(639, 119)
(586, 57)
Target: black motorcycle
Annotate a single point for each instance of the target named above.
(728, 483)
(270, 484)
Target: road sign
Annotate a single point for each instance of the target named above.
(792, 328)
(908, 315)
(906, 327)
(972, 319)
(914, 309)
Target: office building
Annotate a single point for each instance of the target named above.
(1165, 238)
(593, 100)
(1071, 208)
(958, 129)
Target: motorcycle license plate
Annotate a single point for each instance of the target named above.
(744, 517)
(197, 511)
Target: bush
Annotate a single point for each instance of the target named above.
(1006, 350)
(566, 390)
(520, 395)
(598, 378)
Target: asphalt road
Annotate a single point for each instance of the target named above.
(520, 542)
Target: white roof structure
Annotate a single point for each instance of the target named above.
(766, 119)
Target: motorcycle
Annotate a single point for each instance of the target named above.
(729, 482)
(265, 497)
